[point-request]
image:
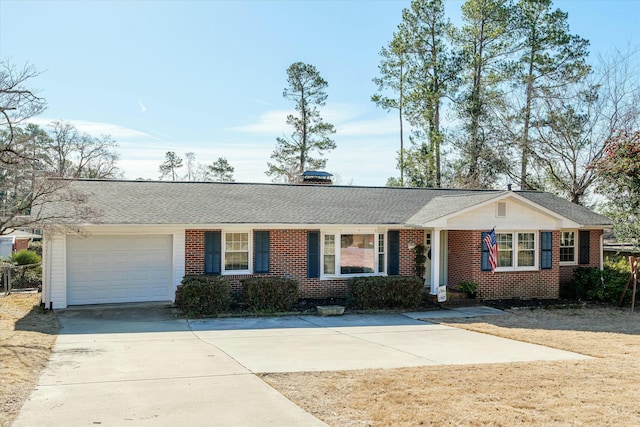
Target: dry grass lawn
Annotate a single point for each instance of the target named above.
(27, 335)
(598, 392)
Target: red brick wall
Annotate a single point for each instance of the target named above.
(21, 244)
(288, 258)
(408, 256)
(465, 253)
(566, 271)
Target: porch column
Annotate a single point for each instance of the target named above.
(435, 261)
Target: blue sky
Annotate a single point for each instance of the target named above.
(208, 76)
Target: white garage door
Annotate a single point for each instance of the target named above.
(110, 269)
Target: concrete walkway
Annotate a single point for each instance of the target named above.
(139, 366)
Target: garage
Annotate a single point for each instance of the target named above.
(117, 269)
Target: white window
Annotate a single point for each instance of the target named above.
(517, 251)
(353, 254)
(568, 247)
(381, 262)
(236, 253)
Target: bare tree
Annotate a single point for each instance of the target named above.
(25, 189)
(78, 155)
(17, 103)
(191, 166)
(574, 129)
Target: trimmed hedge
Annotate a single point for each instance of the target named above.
(269, 293)
(205, 295)
(384, 292)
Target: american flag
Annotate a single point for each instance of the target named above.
(492, 245)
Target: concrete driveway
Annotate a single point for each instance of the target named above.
(140, 365)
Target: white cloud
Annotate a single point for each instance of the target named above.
(271, 122)
(96, 128)
(348, 120)
(141, 105)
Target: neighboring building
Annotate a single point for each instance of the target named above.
(150, 234)
(16, 240)
(613, 248)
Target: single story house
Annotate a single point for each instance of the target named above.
(15, 241)
(148, 235)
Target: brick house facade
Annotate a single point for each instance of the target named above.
(155, 233)
(288, 250)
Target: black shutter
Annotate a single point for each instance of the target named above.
(212, 252)
(546, 250)
(261, 251)
(585, 245)
(313, 254)
(393, 257)
(484, 260)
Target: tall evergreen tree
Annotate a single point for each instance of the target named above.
(393, 76)
(485, 44)
(548, 59)
(220, 171)
(311, 134)
(417, 66)
(171, 163)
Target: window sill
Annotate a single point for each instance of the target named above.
(236, 272)
(568, 263)
(348, 276)
(515, 270)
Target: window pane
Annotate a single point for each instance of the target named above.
(329, 244)
(329, 264)
(236, 255)
(505, 259)
(567, 255)
(380, 253)
(505, 249)
(567, 238)
(505, 241)
(329, 254)
(526, 258)
(567, 246)
(357, 253)
(236, 261)
(526, 249)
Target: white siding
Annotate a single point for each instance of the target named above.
(55, 290)
(518, 217)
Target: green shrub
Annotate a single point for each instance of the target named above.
(205, 295)
(269, 293)
(25, 257)
(384, 292)
(591, 284)
(469, 288)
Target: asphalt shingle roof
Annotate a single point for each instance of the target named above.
(162, 202)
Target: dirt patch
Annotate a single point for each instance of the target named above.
(27, 335)
(600, 391)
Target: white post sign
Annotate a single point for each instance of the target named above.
(442, 293)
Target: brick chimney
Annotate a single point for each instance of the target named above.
(316, 178)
